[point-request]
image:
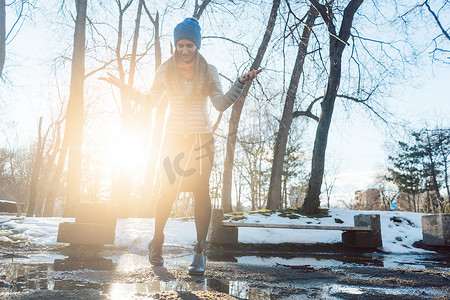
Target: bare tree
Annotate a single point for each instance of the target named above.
(199, 8)
(15, 171)
(253, 169)
(53, 187)
(121, 185)
(237, 110)
(435, 12)
(22, 8)
(337, 43)
(35, 173)
(149, 192)
(74, 116)
(2, 35)
(274, 200)
(330, 177)
(49, 185)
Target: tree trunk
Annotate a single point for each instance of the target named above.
(274, 200)
(312, 202)
(54, 184)
(2, 35)
(447, 187)
(46, 177)
(433, 169)
(157, 43)
(337, 45)
(35, 173)
(74, 120)
(236, 114)
(254, 181)
(121, 191)
(150, 191)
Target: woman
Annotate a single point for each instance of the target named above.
(186, 80)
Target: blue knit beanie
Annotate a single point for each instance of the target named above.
(188, 29)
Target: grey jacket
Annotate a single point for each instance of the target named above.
(190, 116)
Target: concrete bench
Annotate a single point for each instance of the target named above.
(365, 234)
(436, 230)
(95, 225)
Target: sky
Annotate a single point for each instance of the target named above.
(356, 148)
(360, 152)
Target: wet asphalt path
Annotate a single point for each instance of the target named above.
(248, 273)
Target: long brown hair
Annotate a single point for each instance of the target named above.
(202, 75)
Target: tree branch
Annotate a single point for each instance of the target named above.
(322, 10)
(349, 13)
(364, 102)
(229, 40)
(307, 112)
(14, 25)
(437, 21)
(106, 64)
(198, 10)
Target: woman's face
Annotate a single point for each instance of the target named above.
(186, 50)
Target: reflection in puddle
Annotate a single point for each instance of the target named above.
(235, 288)
(18, 277)
(71, 274)
(302, 261)
(330, 260)
(77, 264)
(343, 290)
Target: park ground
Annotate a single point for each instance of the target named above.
(290, 264)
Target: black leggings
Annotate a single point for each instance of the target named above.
(186, 164)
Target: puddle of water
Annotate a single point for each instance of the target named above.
(337, 290)
(56, 272)
(99, 264)
(29, 258)
(418, 262)
(19, 277)
(412, 261)
(238, 289)
(297, 261)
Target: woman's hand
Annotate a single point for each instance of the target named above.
(249, 75)
(113, 80)
(126, 89)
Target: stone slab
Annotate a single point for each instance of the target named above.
(96, 212)
(364, 239)
(69, 264)
(436, 229)
(360, 239)
(85, 234)
(218, 234)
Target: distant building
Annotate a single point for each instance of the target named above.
(409, 202)
(372, 199)
(368, 200)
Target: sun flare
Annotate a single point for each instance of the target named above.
(127, 151)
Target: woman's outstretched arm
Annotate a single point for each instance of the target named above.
(222, 101)
(152, 98)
